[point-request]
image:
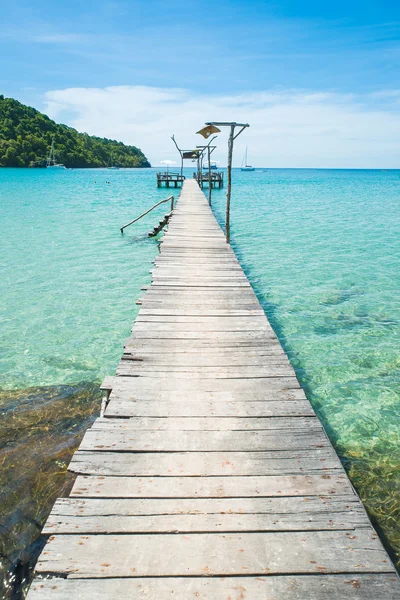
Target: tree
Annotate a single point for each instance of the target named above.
(26, 136)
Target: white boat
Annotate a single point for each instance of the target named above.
(111, 166)
(213, 165)
(51, 162)
(245, 166)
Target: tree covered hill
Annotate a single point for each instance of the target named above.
(26, 135)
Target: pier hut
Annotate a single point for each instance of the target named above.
(208, 474)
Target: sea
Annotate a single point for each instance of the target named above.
(322, 251)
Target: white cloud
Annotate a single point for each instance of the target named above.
(289, 128)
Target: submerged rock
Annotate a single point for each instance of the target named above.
(40, 429)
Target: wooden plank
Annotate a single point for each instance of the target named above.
(189, 273)
(318, 461)
(197, 360)
(192, 271)
(152, 310)
(310, 587)
(137, 368)
(133, 393)
(306, 552)
(204, 523)
(274, 356)
(303, 507)
(92, 516)
(287, 387)
(170, 333)
(118, 407)
(205, 441)
(210, 487)
(227, 321)
(210, 423)
(206, 346)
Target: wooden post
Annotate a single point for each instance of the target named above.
(209, 177)
(205, 133)
(172, 203)
(198, 172)
(228, 192)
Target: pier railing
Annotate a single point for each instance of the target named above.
(215, 178)
(169, 179)
(169, 199)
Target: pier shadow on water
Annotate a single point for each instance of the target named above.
(40, 428)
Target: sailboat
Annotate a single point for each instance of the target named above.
(51, 162)
(245, 166)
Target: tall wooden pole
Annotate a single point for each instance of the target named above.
(198, 171)
(209, 177)
(212, 127)
(228, 192)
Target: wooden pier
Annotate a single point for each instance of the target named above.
(170, 179)
(217, 179)
(209, 476)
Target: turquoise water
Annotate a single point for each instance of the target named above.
(320, 247)
(69, 280)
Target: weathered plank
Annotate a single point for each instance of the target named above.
(227, 321)
(136, 368)
(210, 487)
(240, 389)
(197, 312)
(211, 423)
(120, 407)
(273, 355)
(127, 440)
(93, 516)
(206, 347)
(319, 461)
(310, 587)
(250, 328)
(303, 507)
(306, 552)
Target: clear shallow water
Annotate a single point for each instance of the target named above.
(320, 247)
(69, 280)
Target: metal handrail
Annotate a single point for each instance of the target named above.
(150, 209)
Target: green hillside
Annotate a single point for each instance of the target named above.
(26, 135)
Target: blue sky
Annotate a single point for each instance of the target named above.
(349, 52)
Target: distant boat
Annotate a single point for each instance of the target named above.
(51, 162)
(245, 166)
(213, 166)
(111, 166)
